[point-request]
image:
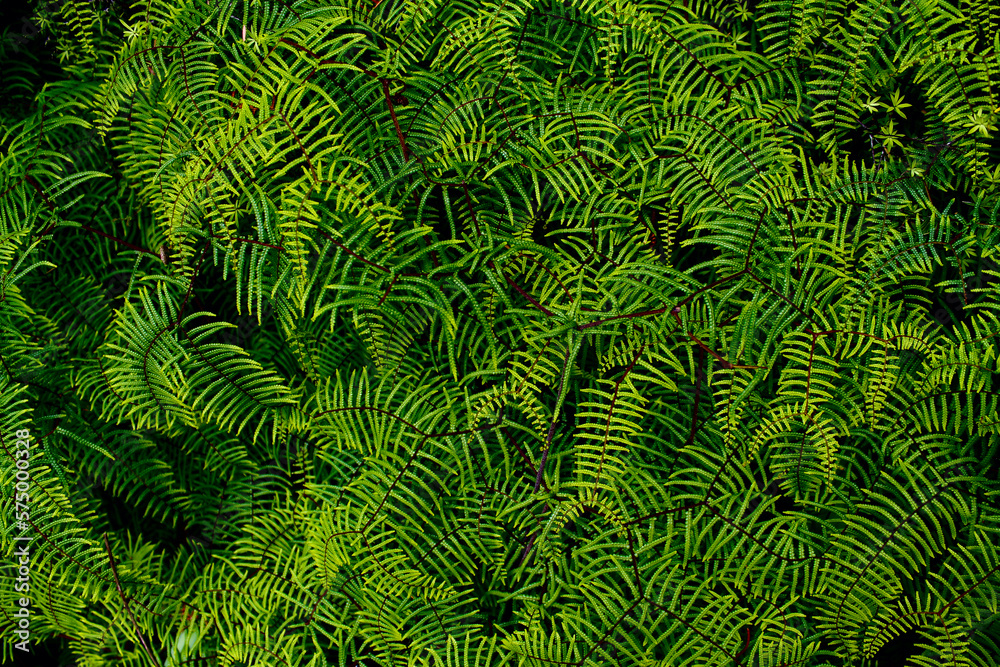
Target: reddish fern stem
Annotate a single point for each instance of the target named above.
(522, 292)
(121, 594)
(552, 428)
(736, 658)
(395, 121)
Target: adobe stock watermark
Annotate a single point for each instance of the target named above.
(956, 301)
(22, 541)
(110, 298)
(115, 292)
(29, 30)
(246, 325)
(90, 137)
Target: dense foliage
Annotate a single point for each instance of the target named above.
(535, 332)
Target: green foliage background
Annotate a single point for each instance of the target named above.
(438, 332)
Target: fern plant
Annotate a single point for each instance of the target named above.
(536, 333)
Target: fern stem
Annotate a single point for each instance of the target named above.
(128, 608)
